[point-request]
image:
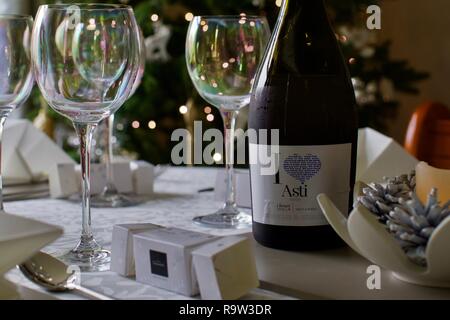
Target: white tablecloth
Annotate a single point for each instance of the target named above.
(175, 203)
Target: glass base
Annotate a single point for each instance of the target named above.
(116, 200)
(88, 255)
(110, 201)
(226, 218)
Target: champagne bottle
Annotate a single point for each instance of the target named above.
(303, 89)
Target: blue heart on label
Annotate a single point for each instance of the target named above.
(302, 168)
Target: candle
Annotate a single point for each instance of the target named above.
(428, 177)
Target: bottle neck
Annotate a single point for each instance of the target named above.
(316, 8)
(310, 3)
(306, 40)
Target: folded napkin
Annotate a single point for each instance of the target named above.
(380, 156)
(20, 238)
(28, 153)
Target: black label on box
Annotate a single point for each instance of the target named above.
(158, 263)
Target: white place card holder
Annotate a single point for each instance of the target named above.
(242, 177)
(122, 252)
(65, 179)
(225, 268)
(243, 196)
(143, 177)
(129, 177)
(121, 174)
(163, 258)
(123, 178)
(98, 177)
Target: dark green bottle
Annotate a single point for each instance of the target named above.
(304, 90)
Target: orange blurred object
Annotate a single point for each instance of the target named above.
(428, 135)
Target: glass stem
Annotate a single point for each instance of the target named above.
(2, 123)
(85, 131)
(229, 121)
(110, 187)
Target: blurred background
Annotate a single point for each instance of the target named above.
(394, 69)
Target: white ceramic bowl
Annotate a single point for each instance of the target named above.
(366, 235)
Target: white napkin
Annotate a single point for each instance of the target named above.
(380, 156)
(19, 239)
(28, 153)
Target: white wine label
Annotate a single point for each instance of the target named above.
(287, 196)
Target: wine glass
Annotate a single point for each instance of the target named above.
(110, 196)
(16, 76)
(85, 59)
(222, 55)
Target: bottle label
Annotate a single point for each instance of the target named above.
(287, 196)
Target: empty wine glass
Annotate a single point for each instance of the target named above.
(222, 55)
(16, 77)
(110, 196)
(85, 57)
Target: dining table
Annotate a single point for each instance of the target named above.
(180, 194)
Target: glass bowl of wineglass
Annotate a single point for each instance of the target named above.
(110, 197)
(222, 55)
(85, 58)
(16, 76)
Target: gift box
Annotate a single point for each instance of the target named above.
(242, 178)
(163, 258)
(225, 268)
(143, 175)
(122, 251)
(129, 177)
(122, 177)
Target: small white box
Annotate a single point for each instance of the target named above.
(63, 180)
(97, 180)
(225, 268)
(143, 177)
(243, 195)
(122, 253)
(164, 260)
(242, 177)
(121, 176)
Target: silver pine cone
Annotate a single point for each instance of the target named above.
(381, 199)
(413, 223)
(398, 207)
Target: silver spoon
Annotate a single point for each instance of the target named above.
(52, 274)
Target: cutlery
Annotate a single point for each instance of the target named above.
(53, 274)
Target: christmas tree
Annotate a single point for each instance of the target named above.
(166, 99)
